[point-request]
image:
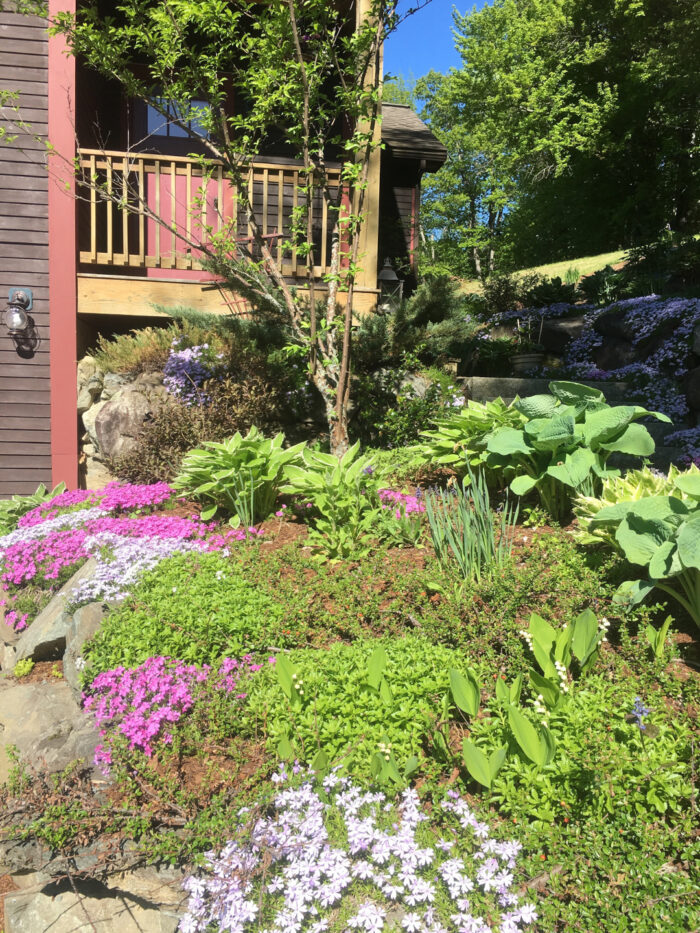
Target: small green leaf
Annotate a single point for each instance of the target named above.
(284, 748)
(375, 667)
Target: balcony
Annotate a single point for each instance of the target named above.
(192, 206)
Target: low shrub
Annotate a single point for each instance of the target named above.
(196, 608)
(176, 427)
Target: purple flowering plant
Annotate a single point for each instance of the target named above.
(188, 368)
(138, 709)
(329, 855)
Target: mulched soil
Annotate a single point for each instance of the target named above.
(43, 672)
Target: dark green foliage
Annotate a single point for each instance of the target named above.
(549, 292)
(197, 608)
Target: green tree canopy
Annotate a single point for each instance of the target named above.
(572, 126)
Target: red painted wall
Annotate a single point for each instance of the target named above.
(62, 258)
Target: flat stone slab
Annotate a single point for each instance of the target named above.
(46, 725)
(45, 639)
(85, 623)
(93, 909)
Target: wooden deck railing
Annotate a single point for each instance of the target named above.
(120, 231)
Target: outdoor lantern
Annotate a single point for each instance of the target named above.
(19, 323)
(390, 286)
(17, 320)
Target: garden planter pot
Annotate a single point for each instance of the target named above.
(523, 362)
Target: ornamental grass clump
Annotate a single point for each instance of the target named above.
(466, 534)
(332, 856)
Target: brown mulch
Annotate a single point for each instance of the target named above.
(43, 672)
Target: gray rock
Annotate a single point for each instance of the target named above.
(8, 657)
(696, 340)
(557, 333)
(89, 418)
(45, 724)
(614, 323)
(92, 908)
(119, 422)
(23, 859)
(161, 886)
(85, 400)
(84, 624)
(113, 383)
(45, 639)
(615, 352)
(88, 368)
(149, 379)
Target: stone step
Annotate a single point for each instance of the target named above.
(487, 388)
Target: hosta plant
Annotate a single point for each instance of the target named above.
(630, 487)
(11, 510)
(344, 495)
(660, 534)
(239, 477)
(457, 441)
(563, 445)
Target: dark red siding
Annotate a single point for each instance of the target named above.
(25, 441)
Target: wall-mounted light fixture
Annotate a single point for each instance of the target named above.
(390, 287)
(19, 322)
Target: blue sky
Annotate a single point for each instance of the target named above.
(424, 41)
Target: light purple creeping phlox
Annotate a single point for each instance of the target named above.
(285, 867)
(186, 370)
(142, 703)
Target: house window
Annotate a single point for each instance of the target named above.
(162, 123)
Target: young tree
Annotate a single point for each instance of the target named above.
(307, 70)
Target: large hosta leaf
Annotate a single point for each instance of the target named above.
(606, 425)
(640, 538)
(551, 433)
(573, 393)
(575, 468)
(635, 439)
(689, 543)
(664, 508)
(522, 485)
(536, 406)
(689, 483)
(507, 441)
(665, 562)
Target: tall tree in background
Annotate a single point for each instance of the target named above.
(572, 127)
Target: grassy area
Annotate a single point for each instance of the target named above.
(584, 265)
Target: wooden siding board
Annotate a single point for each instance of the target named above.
(25, 434)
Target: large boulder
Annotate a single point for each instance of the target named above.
(87, 906)
(47, 727)
(615, 352)
(557, 333)
(122, 418)
(691, 384)
(45, 639)
(89, 419)
(83, 626)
